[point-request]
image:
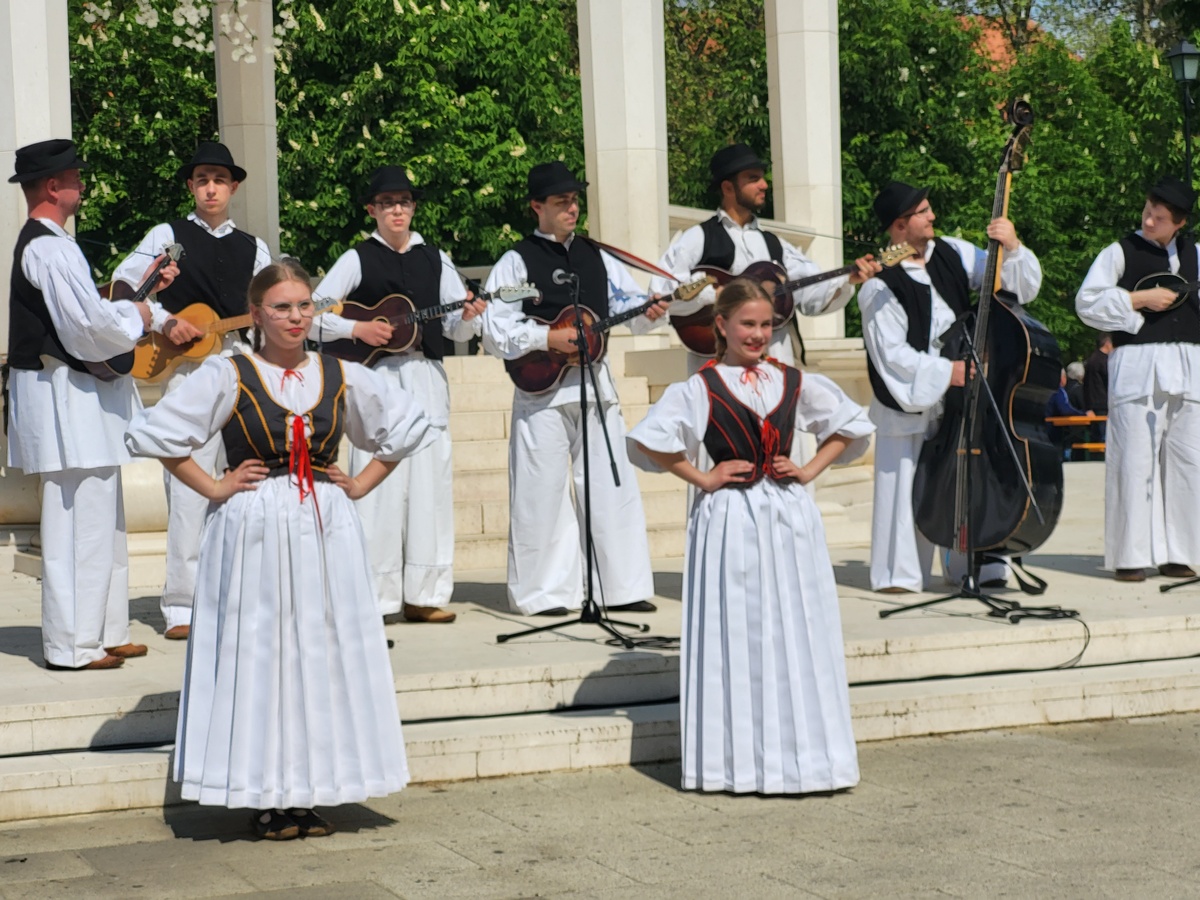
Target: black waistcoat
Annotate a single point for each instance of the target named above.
(416, 273)
(719, 250)
(736, 432)
(257, 428)
(214, 271)
(1180, 325)
(948, 276)
(30, 329)
(543, 258)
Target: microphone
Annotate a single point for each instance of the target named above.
(562, 276)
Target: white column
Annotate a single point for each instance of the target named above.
(623, 78)
(805, 108)
(246, 118)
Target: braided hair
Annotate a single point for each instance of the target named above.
(732, 296)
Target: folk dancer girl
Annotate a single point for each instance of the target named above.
(288, 699)
(763, 697)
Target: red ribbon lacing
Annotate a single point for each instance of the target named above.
(770, 448)
(299, 459)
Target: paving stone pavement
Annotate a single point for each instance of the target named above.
(1095, 810)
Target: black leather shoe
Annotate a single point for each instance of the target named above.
(1130, 575)
(639, 606)
(554, 611)
(1176, 570)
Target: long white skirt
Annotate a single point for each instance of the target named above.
(288, 697)
(764, 702)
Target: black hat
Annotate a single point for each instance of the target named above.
(389, 178)
(548, 179)
(1173, 192)
(45, 158)
(210, 153)
(728, 161)
(896, 199)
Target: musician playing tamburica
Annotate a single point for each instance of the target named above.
(905, 310)
(409, 521)
(1152, 461)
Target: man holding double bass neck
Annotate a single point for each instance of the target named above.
(733, 239)
(67, 415)
(409, 518)
(905, 310)
(218, 262)
(545, 565)
(1152, 471)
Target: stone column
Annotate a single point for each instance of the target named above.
(805, 107)
(623, 76)
(35, 105)
(246, 118)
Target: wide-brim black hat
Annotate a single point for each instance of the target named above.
(728, 161)
(896, 199)
(548, 179)
(389, 179)
(210, 153)
(45, 158)
(1173, 192)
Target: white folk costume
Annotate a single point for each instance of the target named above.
(288, 697)
(722, 242)
(764, 704)
(905, 310)
(216, 269)
(1152, 456)
(545, 562)
(409, 519)
(66, 425)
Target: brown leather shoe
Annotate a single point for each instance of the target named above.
(1176, 570)
(105, 662)
(428, 614)
(1130, 575)
(894, 590)
(127, 651)
(178, 632)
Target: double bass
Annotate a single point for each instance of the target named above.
(996, 460)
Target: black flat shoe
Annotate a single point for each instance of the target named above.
(274, 825)
(639, 606)
(309, 823)
(554, 611)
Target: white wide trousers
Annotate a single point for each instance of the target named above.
(85, 565)
(546, 527)
(900, 554)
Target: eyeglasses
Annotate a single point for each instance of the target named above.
(306, 308)
(408, 205)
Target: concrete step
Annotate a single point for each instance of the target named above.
(147, 560)
(95, 781)
(490, 517)
(490, 551)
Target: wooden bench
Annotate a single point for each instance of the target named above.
(1089, 448)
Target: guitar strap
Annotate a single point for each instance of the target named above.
(629, 259)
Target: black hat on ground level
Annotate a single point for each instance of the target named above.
(210, 153)
(896, 199)
(1173, 192)
(45, 158)
(548, 179)
(387, 179)
(728, 161)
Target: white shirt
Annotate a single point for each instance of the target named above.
(509, 334)
(1135, 370)
(134, 266)
(59, 418)
(917, 380)
(749, 246)
(346, 275)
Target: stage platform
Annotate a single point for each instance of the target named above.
(87, 741)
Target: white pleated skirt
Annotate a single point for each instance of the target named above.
(764, 702)
(288, 697)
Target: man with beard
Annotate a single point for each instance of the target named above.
(65, 423)
(733, 239)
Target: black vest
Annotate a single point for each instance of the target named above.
(736, 432)
(214, 271)
(1180, 325)
(416, 273)
(719, 250)
(257, 428)
(30, 329)
(946, 271)
(542, 258)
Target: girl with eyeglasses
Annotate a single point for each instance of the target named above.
(288, 699)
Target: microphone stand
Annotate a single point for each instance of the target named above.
(591, 613)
